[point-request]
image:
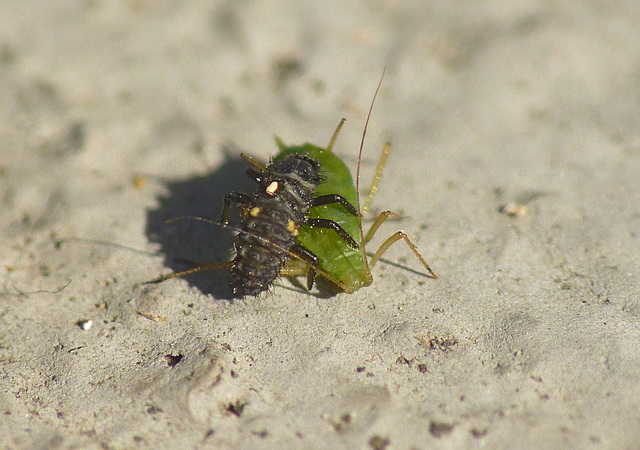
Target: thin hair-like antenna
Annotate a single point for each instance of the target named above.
(364, 133)
(227, 264)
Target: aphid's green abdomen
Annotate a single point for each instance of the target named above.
(335, 256)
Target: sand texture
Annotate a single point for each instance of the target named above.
(515, 166)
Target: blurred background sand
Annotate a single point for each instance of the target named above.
(118, 115)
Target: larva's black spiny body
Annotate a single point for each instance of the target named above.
(271, 219)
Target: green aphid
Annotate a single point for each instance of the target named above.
(345, 266)
(332, 230)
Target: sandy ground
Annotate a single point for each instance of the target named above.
(118, 115)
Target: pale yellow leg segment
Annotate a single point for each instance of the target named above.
(376, 179)
(294, 271)
(298, 267)
(375, 225)
(335, 135)
(224, 265)
(253, 162)
(392, 240)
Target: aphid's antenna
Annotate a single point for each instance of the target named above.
(200, 219)
(62, 241)
(364, 133)
(200, 268)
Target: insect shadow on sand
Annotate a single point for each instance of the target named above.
(188, 242)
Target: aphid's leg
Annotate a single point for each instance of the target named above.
(375, 225)
(252, 161)
(224, 265)
(335, 198)
(335, 134)
(295, 258)
(376, 179)
(294, 269)
(330, 224)
(392, 240)
(311, 259)
(297, 267)
(237, 197)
